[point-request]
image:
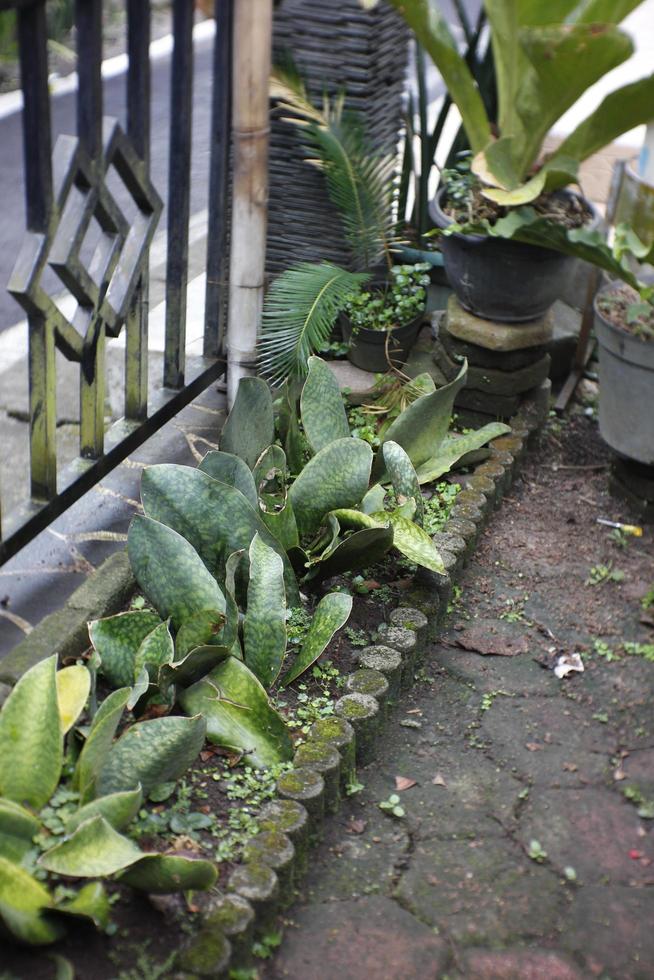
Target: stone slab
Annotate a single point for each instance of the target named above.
(497, 336)
(518, 964)
(369, 937)
(508, 382)
(497, 406)
(610, 929)
(503, 360)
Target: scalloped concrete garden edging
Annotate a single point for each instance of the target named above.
(325, 765)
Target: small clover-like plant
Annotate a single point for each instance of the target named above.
(393, 807)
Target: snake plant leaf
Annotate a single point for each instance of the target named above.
(95, 849)
(358, 551)
(31, 740)
(117, 640)
(455, 448)
(236, 561)
(374, 499)
(264, 627)
(215, 518)
(90, 902)
(250, 426)
(152, 752)
(414, 543)
(73, 688)
(18, 828)
(170, 571)
(22, 900)
(422, 427)
(332, 612)
(196, 664)
(239, 715)
(270, 476)
(601, 11)
(403, 477)
(159, 874)
(118, 809)
(337, 476)
(205, 628)
(232, 470)
(321, 406)
(156, 649)
(98, 743)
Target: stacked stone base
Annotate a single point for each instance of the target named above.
(634, 483)
(506, 362)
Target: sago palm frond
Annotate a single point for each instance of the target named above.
(361, 183)
(299, 312)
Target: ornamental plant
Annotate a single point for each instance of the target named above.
(388, 308)
(103, 786)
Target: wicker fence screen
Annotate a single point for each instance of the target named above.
(336, 45)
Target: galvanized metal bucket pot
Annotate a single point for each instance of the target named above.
(626, 398)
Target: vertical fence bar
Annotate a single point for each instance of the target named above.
(214, 308)
(138, 130)
(179, 186)
(88, 22)
(37, 153)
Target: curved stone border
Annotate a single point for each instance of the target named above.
(325, 765)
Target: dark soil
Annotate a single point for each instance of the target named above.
(623, 307)
(562, 209)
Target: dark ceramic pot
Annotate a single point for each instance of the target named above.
(498, 279)
(368, 348)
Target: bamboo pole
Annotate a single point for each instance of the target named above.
(250, 129)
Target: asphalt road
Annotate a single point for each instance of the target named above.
(12, 206)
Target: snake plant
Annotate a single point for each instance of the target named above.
(110, 779)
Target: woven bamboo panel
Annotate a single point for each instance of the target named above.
(337, 46)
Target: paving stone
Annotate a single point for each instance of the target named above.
(610, 929)
(639, 769)
(503, 360)
(518, 964)
(370, 937)
(479, 892)
(623, 692)
(499, 406)
(594, 831)
(517, 675)
(552, 740)
(493, 335)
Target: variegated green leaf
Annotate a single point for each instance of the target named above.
(90, 902)
(205, 628)
(216, 519)
(191, 668)
(31, 739)
(23, 899)
(232, 470)
(250, 426)
(422, 427)
(332, 612)
(414, 543)
(94, 850)
(336, 477)
(73, 688)
(156, 649)
(117, 640)
(159, 874)
(403, 477)
(98, 743)
(374, 499)
(169, 569)
(321, 406)
(118, 809)
(356, 552)
(455, 448)
(140, 688)
(274, 507)
(152, 752)
(264, 627)
(18, 828)
(239, 715)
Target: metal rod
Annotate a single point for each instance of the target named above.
(179, 187)
(37, 140)
(88, 23)
(215, 296)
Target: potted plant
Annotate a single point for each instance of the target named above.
(381, 324)
(517, 194)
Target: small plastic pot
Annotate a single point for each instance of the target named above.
(368, 347)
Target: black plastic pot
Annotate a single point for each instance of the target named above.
(499, 279)
(368, 347)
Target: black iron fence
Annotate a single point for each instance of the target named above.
(68, 188)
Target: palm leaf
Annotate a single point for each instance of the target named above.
(361, 183)
(299, 312)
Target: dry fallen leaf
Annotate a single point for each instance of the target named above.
(533, 746)
(570, 766)
(438, 780)
(619, 774)
(356, 826)
(403, 782)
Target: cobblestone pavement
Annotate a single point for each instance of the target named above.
(521, 853)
